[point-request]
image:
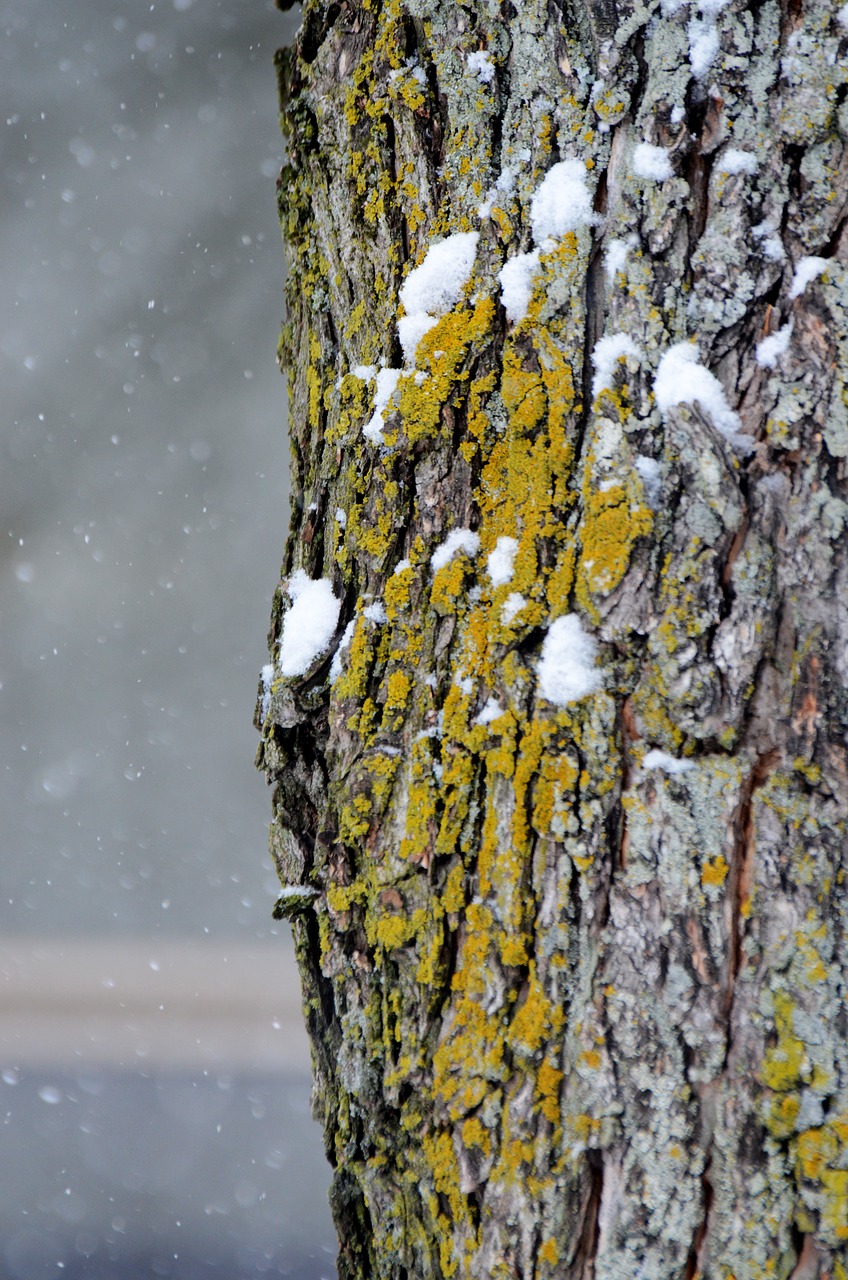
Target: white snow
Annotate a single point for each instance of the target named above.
(682, 379)
(561, 203)
(772, 245)
(648, 470)
(481, 65)
(387, 380)
(516, 281)
(434, 287)
(344, 645)
(465, 684)
(512, 606)
(606, 355)
(616, 256)
(401, 565)
(364, 372)
(309, 625)
(501, 561)
(376, 612)
(492, 711)
(842, 16)
(411, 330)
(678, 115)
(341, 518)
(267, 675)
(735, 161)
(703, 46)
(805, 271)
(774, 346)
(656, 759)
(415, 69)
(456, 541)
(298, 891)
(652, 162)
(567, 670)
(504, 185)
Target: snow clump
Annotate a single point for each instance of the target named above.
(561, 203)
(606, 355)
(704, 43)
(310, 623)
(512, 606)
(481, 65)
(456, 541)
(344, 645)
(652, 162)
(682, 379)
(567, 670)
(505, 185)
(774, 346)
(806, 271)
(734, 161)
(703, 46)
(500, 561)
(771, 243)
(387, 380)
(492, 711)
(616, 256)
(433, 288)
(648, 470)
(669, 764)
(516, 280)
(376, 612)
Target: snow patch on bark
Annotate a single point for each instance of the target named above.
(310, 623)
(652, 162)
(606, 355)
(516, 281)
(512, 606)
(387, 380)
(682, 379)
(567, 670)
(562, 202)
(344, 645)
(501, 560)
(456, 541)
(774, 346)
(480, 64)
(490, 712)
(735, 161)
(433, 288)
(657, 759)
(805, 272)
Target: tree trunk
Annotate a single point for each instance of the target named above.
(556, 713)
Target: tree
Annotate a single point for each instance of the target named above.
(556, 713)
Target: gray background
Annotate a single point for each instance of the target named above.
(156, 1075)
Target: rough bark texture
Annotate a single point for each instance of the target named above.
(572, 1015)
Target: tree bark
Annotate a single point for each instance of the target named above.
(561, 813)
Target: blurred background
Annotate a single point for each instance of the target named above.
(155, 1075)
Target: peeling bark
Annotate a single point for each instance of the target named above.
(574, 971)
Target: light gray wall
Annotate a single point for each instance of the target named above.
(153, 1069)
(143, 473)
